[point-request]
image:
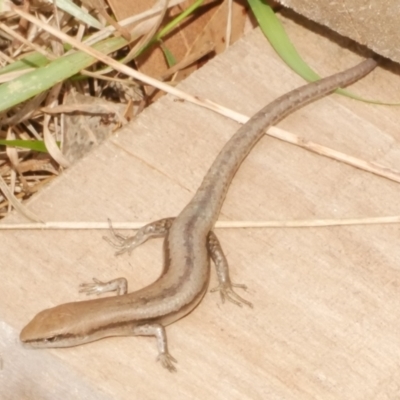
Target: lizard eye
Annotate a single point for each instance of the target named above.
(51, 339)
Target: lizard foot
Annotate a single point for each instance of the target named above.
(227, 293)
(166, 361)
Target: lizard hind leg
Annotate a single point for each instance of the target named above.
(152, 230)
(225, 287)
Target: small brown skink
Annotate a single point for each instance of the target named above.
(189, 242)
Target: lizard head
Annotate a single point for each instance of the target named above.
(55, 327)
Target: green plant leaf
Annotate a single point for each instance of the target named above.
(171, 60)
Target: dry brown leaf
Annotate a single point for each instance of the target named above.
(214, 31)
(190, 37)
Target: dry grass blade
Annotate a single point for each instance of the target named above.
(16, 204)
(153, 12)
(26, 42)
(368, 166)
(190, 59)
(301, 223)
(153, 29)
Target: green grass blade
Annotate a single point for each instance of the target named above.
(178, 19)
(43, 78)
(71, 8)
(171, 25)
(33, 60)
(36, 145)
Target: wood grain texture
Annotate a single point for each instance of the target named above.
(327, 300)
